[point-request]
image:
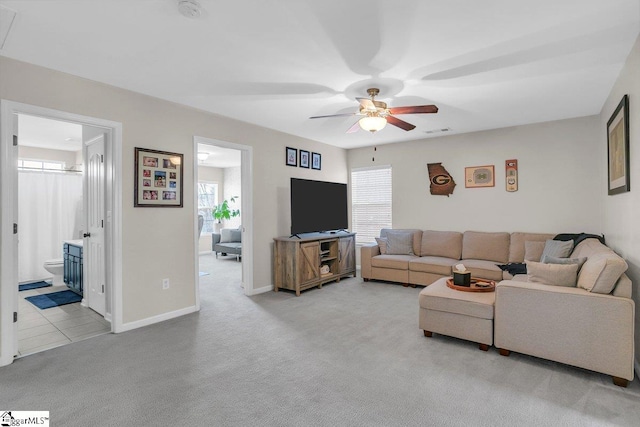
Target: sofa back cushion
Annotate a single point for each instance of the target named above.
(553, 274)
(486, 246)
(229, 235)
(517, 245)
(601, 272)
(446, 244)
(416, 236)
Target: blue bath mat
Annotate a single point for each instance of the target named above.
(54, 299)
(34, 285)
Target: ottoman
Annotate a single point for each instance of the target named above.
(465, 315)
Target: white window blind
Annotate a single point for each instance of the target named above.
(370, 202)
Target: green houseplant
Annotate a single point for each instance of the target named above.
(222, 211)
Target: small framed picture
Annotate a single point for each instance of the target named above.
(304, 159)
(479, 176)
(152, 168)
(316, 161)
(292, 156)
(618, 148)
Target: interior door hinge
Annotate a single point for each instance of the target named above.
(15, 317)
(15, 228)
(102, 223)
(15, 140)
(103, 289)
(101, 158)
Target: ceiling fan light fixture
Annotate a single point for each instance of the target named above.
(372, 123)
(202, 156)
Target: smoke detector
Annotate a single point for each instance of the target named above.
(189, 8)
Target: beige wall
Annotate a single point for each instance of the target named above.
(158, 243)
(558, 176)
(216, 175)
(622, 211)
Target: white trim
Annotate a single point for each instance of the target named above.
(159, 318)
(7, 190)
(246, 208)
(195, 225)
(262, 290)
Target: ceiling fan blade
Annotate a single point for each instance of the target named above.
(400, 123)
(417, 109)
(333, 115)
(354, 128)
(367, 104)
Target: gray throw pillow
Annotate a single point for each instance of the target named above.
(547, 259)
(399, 243)
(236, 235)
(553, 274)
(382, 243)
(557, 248)
(226, 235)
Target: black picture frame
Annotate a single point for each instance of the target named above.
(304, 159)
(158, 179)
(316, 161)
(618, 165)
(291, 157)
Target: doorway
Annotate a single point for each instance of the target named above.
(222, 172)
(105, 136)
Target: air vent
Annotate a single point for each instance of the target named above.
(438, 130)
(6, 20)
(189, 8)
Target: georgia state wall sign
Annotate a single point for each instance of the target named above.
(441, 182)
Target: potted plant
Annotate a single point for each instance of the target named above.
(222, 211)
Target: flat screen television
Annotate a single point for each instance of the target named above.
(318, 206)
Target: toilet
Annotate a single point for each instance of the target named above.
(56, 268)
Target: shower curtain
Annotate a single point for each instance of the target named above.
(49, 212)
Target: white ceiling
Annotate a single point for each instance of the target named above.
(46, 133)
(219, 157)
(485, 64)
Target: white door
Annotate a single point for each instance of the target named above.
(93, 253)
(14, 161)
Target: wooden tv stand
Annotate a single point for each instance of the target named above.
(297, 261)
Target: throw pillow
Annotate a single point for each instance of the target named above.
(554, 260)
(601, 272)
(533, 250)
(553, 274)
(226, 235)
(382, 243)
(236, 235)
(399, 243)
(557, 248)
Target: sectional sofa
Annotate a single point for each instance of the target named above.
(589, 324)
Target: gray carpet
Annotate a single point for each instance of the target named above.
(349, 354)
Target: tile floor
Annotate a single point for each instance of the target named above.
(40, 330)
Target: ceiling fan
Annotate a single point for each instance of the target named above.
(376, 115)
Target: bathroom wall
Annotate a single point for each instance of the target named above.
(35, 153)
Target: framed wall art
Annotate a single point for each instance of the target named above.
(158, 179)
(479, 176)
(292, 156)
(618, 148)
(316, 161)
(304, 159)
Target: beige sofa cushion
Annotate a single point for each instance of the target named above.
(517, 244)
(533, 250)
(482, 269)
(440, 297)
(601, 272)
(486, 246)
(395, 262)
(433, 264)
(417, 236)
(446, 244)
(589, 247)
(553, 274)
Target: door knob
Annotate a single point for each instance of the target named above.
(86, 235)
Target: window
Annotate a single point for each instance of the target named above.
(207, 200)
(370, 202)
(48, 165)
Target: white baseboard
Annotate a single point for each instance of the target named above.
(157, 319)
(262, 290)
(205, 253)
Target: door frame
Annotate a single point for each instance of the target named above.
(246, 207)
(8, 189)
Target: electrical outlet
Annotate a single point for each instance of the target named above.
(165, 283)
